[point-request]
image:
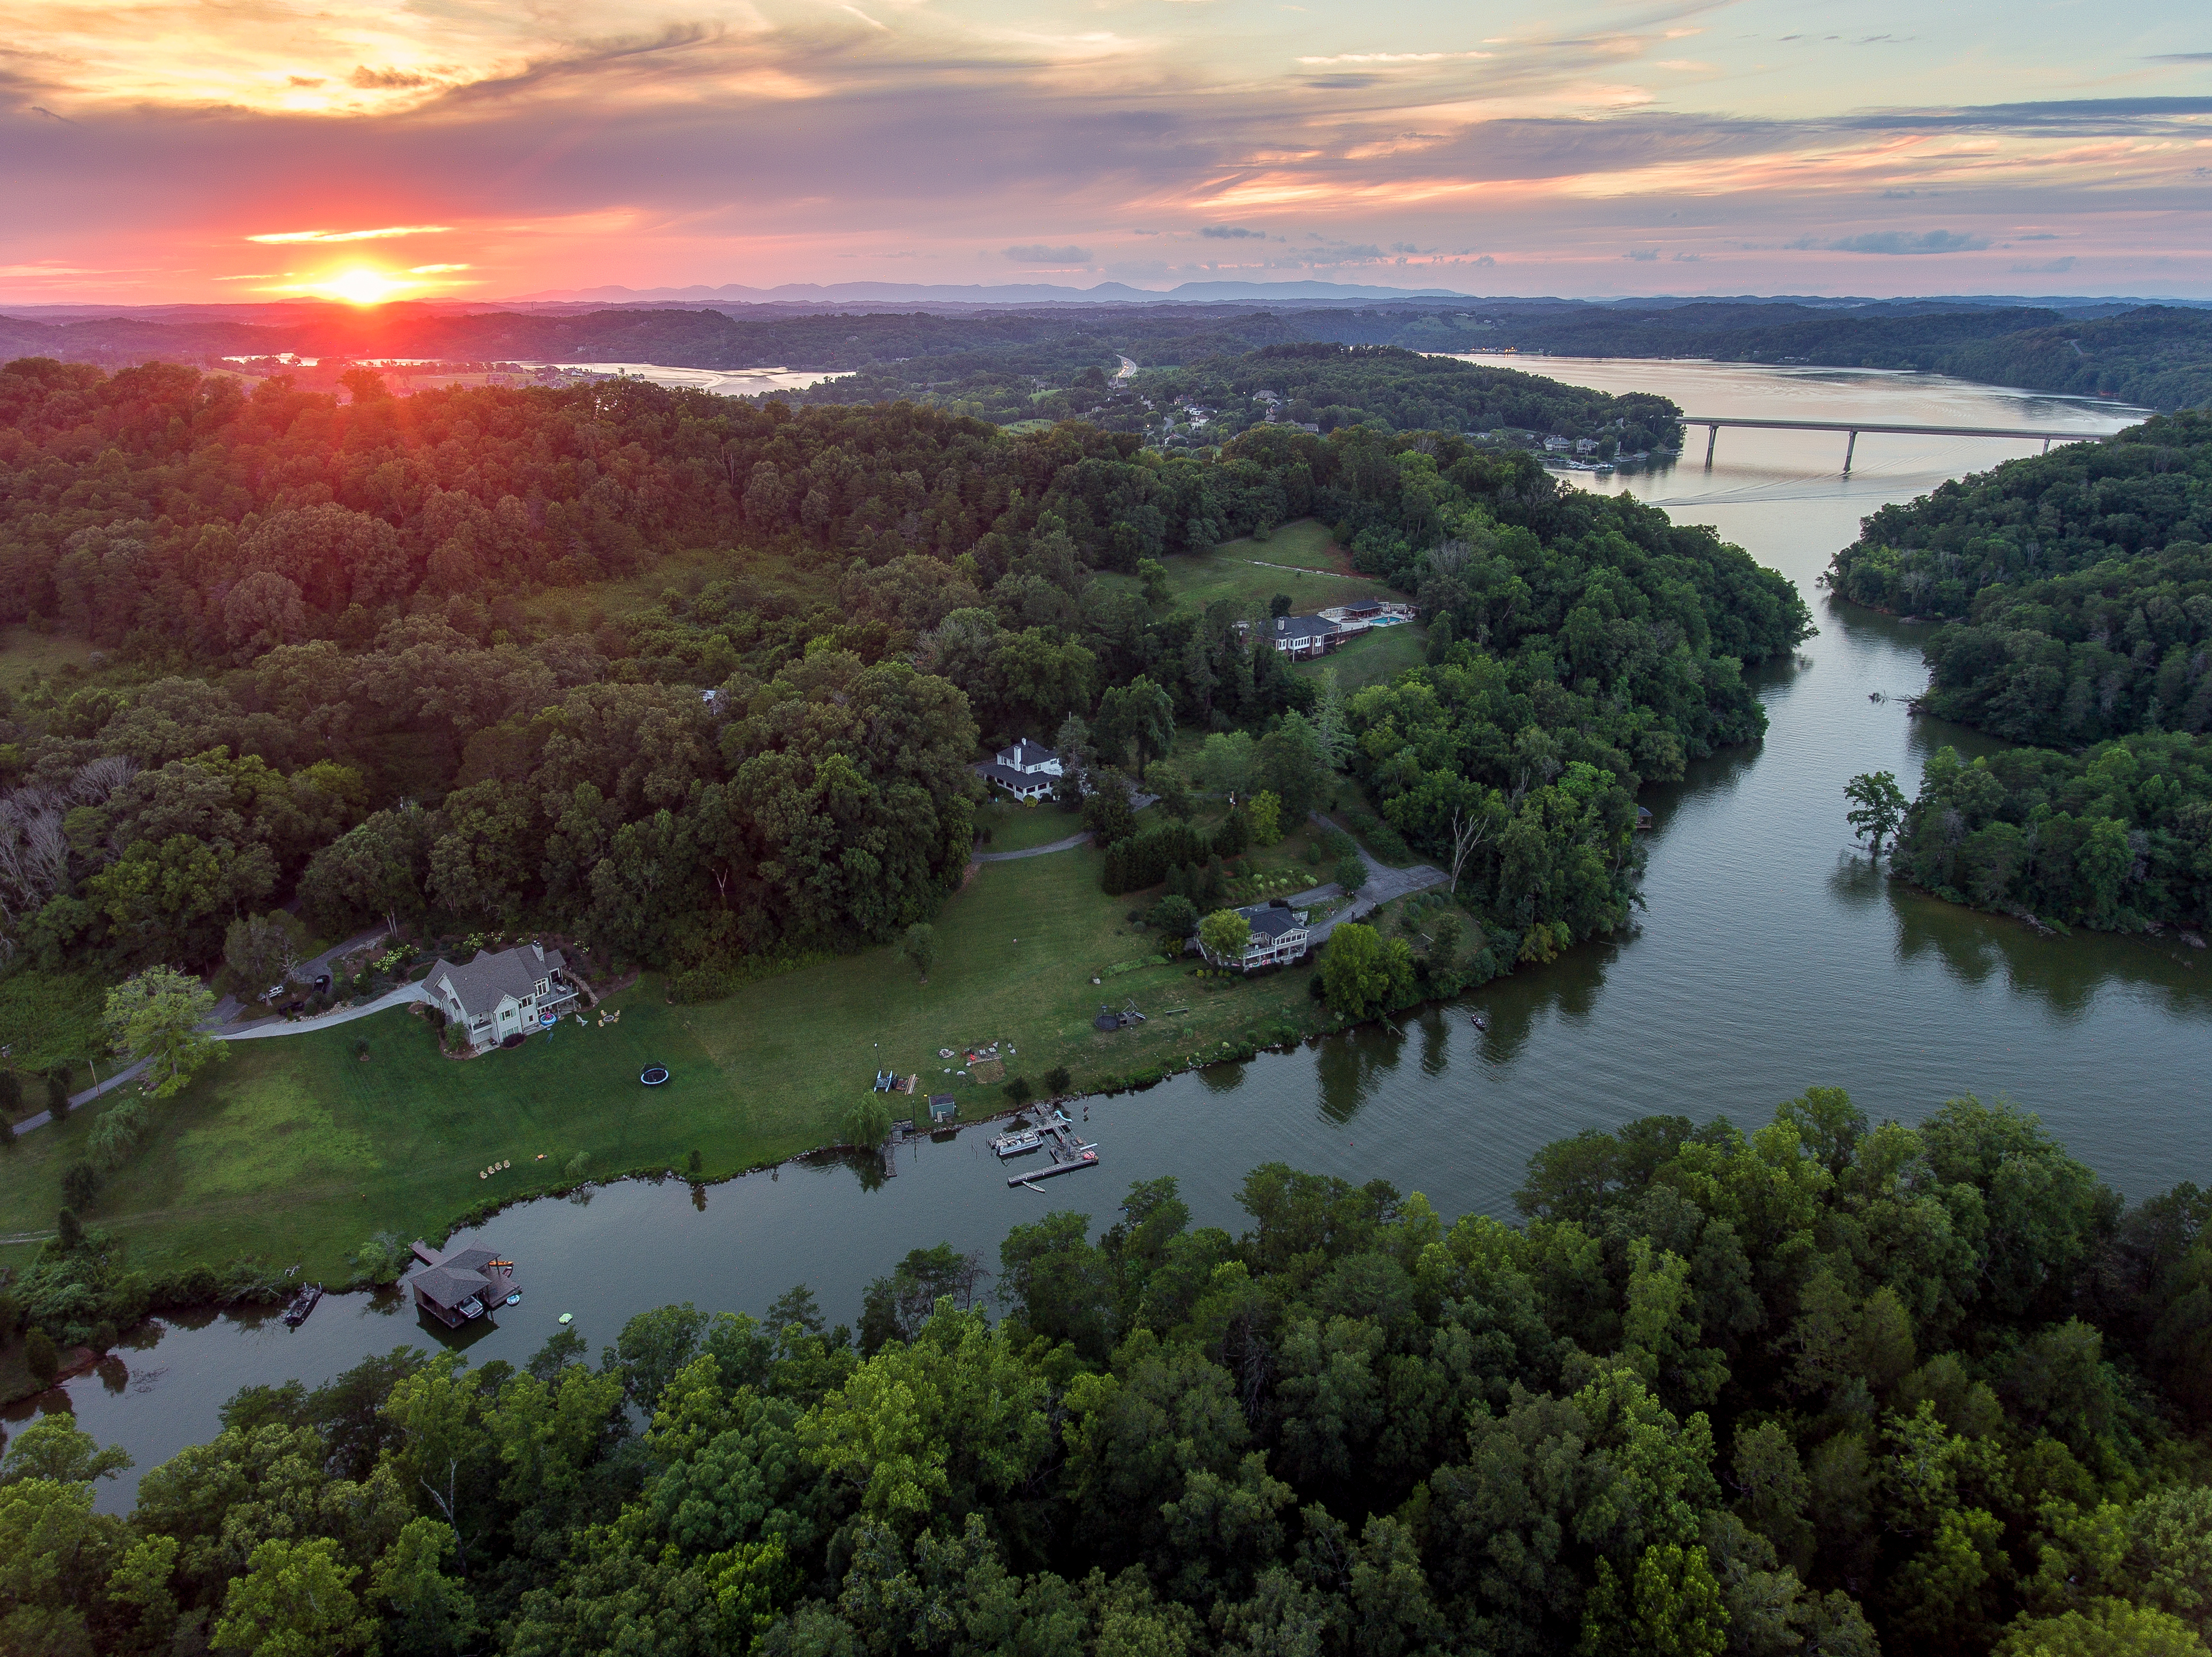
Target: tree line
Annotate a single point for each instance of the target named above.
(2079, 594)
(1826, 1387)
(308, 694)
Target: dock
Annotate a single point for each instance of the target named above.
(1067, 1149)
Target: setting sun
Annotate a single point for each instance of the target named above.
(362, 286)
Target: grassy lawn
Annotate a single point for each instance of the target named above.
(25, 654)
(1016, 828)
(296, 1150)
(1375, 657)
(1300, 559)
(686, 571)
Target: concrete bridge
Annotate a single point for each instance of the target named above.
(1712, 424)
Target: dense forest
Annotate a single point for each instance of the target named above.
(2113, 838)
(1825, 1388)
(2158, 356)
(1330, 386)
(2079, 594)
(2076, 585)
(346, 654)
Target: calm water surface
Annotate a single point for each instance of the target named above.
(1771, 957)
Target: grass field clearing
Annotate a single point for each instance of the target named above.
(296, 1150)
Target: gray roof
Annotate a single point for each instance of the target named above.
(991, 771)
(1026, 752)
(449, 1287)
(1293, 628)
(512, 972)
(1267, 920)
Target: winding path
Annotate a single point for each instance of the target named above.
(1067, 845)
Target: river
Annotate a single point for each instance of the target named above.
(1771, 957)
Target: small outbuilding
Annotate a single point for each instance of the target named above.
(943, 1108)
(461, 1286)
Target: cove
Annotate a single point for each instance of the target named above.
(1772, 956)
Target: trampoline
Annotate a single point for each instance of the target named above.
(654, 1075)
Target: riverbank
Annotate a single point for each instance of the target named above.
(296, 1152)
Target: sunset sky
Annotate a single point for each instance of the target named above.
(159, 150)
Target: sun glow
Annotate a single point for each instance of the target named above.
(362, 286)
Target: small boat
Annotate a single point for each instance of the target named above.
(515, 1299)
(302, 1304)
(1480, 1021)
(1019, 1142)
(567, 1317)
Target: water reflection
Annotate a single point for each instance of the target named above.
(1349, 1070)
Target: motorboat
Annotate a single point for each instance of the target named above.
(302, 1304)
(1019, 1142)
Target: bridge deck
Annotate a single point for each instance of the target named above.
(1885, 426)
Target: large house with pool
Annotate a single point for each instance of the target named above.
(498, 995)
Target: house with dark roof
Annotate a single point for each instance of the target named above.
(1302, 637)
(462, 1285)
(1028, 770)
(1279, 938)
(509, 992)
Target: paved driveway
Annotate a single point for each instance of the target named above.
(1382, 884)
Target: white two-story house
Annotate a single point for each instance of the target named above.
(499, 995)
(1028, 770)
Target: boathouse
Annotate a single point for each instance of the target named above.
(459, 1287)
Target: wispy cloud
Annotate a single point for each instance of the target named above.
(1903, 241)
(384, 234)
(757, 141)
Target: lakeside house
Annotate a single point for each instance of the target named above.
(1302, 638)
(1028, 770)
(462, 1285)
(1279, 938)
(500, 994)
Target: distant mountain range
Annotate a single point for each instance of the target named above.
(1032, 292)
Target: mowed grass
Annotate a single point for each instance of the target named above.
(1375, 657)
(1300, 559)
(295, 1151)
(1016, 828)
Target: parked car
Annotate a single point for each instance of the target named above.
(322, 983)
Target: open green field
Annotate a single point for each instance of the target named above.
(296, 1150)
(685, 572)
(1016, 828)
(25, 654)
(1301, 560)
(1375, 657)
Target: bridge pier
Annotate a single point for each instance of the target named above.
(1850, 449)
(1713, 436)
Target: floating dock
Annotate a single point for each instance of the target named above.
(1068, 1150)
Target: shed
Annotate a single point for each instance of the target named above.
(942, 1107)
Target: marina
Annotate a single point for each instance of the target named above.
(1068, 1150)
